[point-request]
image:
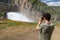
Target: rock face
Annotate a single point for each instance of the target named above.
(7, 7)
(24, 6)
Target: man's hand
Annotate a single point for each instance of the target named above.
(40, 20)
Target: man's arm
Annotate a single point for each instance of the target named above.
(37, 27)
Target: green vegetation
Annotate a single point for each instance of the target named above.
(6, 7)
(42, 7)
(9, 23)
(57, 9)
(2, 11)
(57, 24)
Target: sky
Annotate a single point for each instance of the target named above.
(52, 2)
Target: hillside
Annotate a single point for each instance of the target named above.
(57, 8)
(31, 8)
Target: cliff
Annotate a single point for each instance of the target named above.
(31, 8)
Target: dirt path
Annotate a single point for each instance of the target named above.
(20, 33)
(56, 34)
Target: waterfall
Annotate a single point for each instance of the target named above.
(17, 16)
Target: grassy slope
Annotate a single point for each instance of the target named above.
(10, 23)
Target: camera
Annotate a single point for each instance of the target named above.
(42, 18)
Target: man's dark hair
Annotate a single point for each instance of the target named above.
(47, 16)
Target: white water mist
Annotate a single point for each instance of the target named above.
(17, 16)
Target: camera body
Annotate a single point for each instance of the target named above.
(42, 18)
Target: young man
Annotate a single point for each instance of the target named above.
(45, 27)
